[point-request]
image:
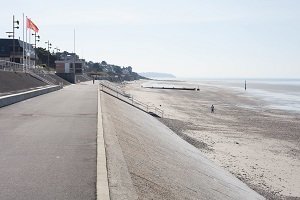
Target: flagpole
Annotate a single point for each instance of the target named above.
(26, 59)
(29, 47)
(74, 59)
(74, 40)
(23, 45)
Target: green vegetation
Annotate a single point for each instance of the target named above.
(42, 56)
(101, 70)
(111, 72)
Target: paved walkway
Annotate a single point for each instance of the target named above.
(48, 150)
(48, 146)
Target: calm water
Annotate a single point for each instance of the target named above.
(277, 93)
(281, 94)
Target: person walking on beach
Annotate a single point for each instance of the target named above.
(212, 109)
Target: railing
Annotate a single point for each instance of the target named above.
(115, 88)
(87, 77)
(17, 67)
(40, 78)
(118, 93)
(10, 66)
(43, 75)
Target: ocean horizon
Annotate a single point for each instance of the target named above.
(275, 93)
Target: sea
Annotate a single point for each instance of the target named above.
(283, 94)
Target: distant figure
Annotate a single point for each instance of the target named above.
(245, 85)
(93, 80)
(212, 109)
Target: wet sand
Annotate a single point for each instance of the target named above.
(257, 144)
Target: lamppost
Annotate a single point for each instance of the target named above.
(36, 39)
(12, 34)
(57, 49)
(49, 47)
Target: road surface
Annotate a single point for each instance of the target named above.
(48, 146)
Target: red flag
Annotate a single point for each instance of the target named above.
(31, 25)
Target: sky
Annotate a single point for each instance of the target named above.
(188, 38)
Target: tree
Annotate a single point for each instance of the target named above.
(97, 67)
(117, 69)
(103, 63)
(129, 68)
(42, 54)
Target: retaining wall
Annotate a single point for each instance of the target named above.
(14, 98)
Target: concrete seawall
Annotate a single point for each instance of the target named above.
(14, 98)
(146, 160)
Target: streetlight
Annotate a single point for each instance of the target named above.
(57, 49)
(36, 39)
(49, 47)
(12, 34)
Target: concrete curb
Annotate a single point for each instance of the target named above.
(102, 179)
(14, 98)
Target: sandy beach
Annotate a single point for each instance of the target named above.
(259, 146)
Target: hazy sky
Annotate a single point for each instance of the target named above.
(189, 38)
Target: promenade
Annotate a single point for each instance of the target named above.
(49, 149)
(48, 146)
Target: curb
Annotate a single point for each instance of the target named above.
(14, 98)
(102, 179)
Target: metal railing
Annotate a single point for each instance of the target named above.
(87, 77)
(11, 66)
(40, 78)
(43, 75)
(33, 71)
(118, 93)
(115, 87)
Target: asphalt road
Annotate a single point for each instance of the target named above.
(48, 146)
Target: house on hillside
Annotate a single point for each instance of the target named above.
(8, 53)
(125, 71)
(66, 56)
